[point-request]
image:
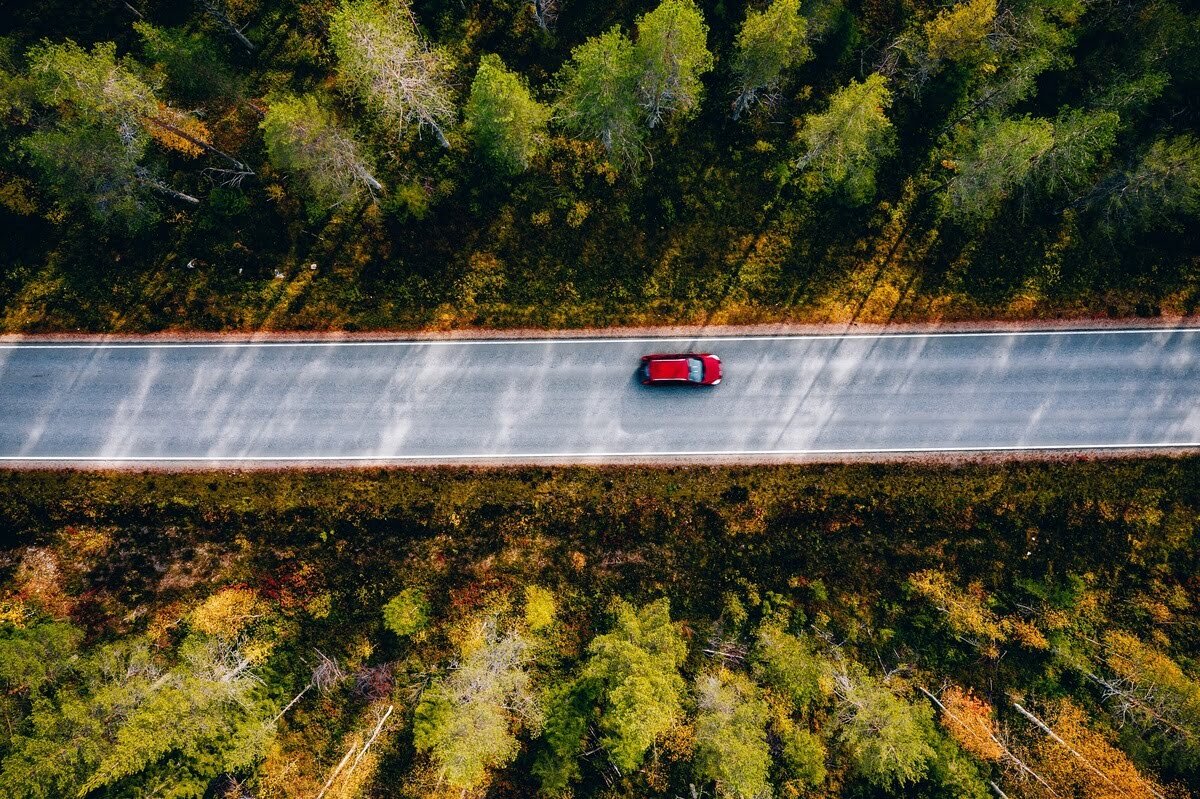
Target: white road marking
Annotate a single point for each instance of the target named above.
(588, 340)
(547, 455)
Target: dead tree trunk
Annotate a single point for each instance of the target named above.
(215, 10)
(996, 740)
(1057, 739)
(203, 145)
(153, 183)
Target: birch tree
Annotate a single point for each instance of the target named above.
(545, 14)
(302, 137)
(382, 60)
(468, 721)
(887, 738)
(1144, 684)
(789, 664)
(1077, 760)
(99, 88)
(218, 10)
(96, 88)
(769, 43)
(959, 32)
(672, 53)
(731, 735)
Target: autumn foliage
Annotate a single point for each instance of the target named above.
(971, 721)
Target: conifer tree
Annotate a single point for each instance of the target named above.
(769, 43)
(993, 159)
(636, 668)
(598, 97)
(672, 53)
(503, 119)
(844, 144)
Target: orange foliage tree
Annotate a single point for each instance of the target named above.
(1078, 761)
(971, 721)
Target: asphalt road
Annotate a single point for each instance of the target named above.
(535, 400)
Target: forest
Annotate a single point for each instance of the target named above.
(991, 629)
(928, 630)
(370, 164)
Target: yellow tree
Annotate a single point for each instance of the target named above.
(960, 32)
(966, 611)
(1147, 685)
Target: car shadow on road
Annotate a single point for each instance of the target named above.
(646, 410)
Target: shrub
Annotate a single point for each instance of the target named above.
(407, 613)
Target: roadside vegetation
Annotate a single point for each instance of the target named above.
(836, 631)
(316, 164)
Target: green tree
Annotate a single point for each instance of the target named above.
(1164, 182)
(93, 152)
(788, 664)
(468, 721)
(95, 86)
(1082, 140)
(99, 89)
(568, 712)
(1040, 38)
(731, 735)
(993, 158)
(769, 42)
(105, 114)
(802, 756)
(598, 96)
(194, 63)
(502, 118)
(637, 668)
(843, 145)
(32, 656)
(672, 52)
(124, 718)
(302, 137)
(92, 166)
(382, 60)
(950, 768)
(888, 739)
(407, 613)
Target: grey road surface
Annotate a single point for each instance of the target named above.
(535, 400)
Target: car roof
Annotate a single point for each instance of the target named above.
(669, 368)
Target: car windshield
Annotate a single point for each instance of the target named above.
(695, 370)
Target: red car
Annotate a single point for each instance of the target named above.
(688, 368)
